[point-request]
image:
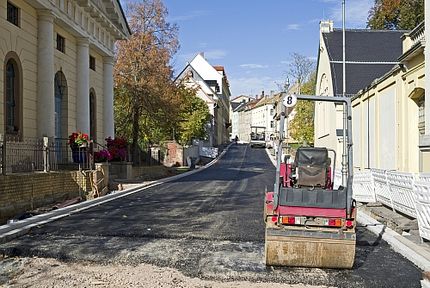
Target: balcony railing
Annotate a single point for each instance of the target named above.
(418, 33)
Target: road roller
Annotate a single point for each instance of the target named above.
(310, 222)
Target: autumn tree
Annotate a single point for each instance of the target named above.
(144, 103)
(301, 70)
(396, 14)
(193, 117)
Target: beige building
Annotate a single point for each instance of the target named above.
(389, 116)
(57, 72)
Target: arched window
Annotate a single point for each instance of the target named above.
(12, 96)
(93, 115)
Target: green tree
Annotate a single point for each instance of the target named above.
(302, 125)
(396, 14)
(193, 117)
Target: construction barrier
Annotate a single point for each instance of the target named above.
(363, 187)
(403, 197)
(422, 194)
(381, 187)
(406, 193)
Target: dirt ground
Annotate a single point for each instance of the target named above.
(39, 272)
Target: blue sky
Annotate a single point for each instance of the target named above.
(254, 39)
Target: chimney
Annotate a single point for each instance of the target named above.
(202, 54)
(262, 94)
(326, 26)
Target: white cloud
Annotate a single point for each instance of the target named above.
(190, 16)
(253, 66)
(293, 27)
(215, 54)
(356, 12)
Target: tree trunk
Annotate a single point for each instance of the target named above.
(135, 137)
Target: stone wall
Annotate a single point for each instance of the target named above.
(24, 192)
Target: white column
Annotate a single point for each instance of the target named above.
(427, 66)
(83, 86)
(45, 74)
(108, 120)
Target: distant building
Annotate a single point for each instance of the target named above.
(58, 59)
(245, 119)
(262, 115)
(212, 87)
(236, 104)
(241, 98)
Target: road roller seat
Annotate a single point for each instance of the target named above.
(311, 166)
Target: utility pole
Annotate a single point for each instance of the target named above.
(345, 121)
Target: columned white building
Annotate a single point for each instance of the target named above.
(57, 72)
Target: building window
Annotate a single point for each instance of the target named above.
(272, 124)
(271, 112)
(12, 97)
(12, 14)
(61, 43)
(421, 116)
(92, 63)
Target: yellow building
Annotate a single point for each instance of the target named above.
(57, 72)
(389, 116)
(385, 78)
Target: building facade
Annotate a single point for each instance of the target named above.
(57, 72)
(369, 55)
(389, 119)
(212, 86)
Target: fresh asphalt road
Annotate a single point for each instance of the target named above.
(207, 225)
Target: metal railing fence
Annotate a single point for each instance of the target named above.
(23, 155)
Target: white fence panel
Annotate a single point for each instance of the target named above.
(382, 190)
(363, 187)
(422, 194)
(402, 195)
(337, 178)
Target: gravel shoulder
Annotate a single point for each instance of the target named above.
(42, 272)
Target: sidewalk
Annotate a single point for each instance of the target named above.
(399, 231)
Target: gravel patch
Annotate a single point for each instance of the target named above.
(42, 272)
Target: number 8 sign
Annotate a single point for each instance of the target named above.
(290, 100)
